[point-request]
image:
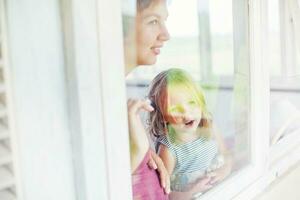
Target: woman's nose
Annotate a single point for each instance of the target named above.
(164, 33)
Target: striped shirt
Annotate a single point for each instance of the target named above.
(193, 160)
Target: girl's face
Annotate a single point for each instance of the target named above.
(151, 32)
(183, 111)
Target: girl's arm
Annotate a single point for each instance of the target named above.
(169, 161)
(167, 157)
(201, 186)
(207, 182)
(221, 173)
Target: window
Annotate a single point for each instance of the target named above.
(227, 57)
(284, 76)
(220, 43)
(210, 40)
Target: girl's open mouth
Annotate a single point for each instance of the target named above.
(189, 123)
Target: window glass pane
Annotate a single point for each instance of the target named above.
(285, 86)
(128, 19)
(209, 41)
(221, 36)
(274, 38)
(296, 17)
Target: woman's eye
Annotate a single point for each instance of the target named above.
(154, 22)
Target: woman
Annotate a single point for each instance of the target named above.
(150, 35)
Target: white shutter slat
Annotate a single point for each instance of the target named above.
(4, 134)
(1, 63)
(6, 179)
(5, 195)
(5, 156)
(7, 176)
(2, 88)
(2, 110)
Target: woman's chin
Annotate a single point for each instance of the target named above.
(149, 61)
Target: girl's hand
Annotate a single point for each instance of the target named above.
(219, 174)
(202, 185)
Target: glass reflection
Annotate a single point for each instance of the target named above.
(215, 53)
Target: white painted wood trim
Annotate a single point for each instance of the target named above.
(112, 84)
(287, 40)
(38, 88)
(275, 172)
(97, 109)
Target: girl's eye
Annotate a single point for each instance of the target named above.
(175, 110)
(192, 102)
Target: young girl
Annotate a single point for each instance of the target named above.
(192, 152)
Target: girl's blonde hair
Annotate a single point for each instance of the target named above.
(158, 95)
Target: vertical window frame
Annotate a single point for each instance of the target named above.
(100, 140)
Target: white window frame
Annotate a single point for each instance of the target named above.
(93, 40)
(285, 153)
(238, 181)
(37, 84)
(285, 82)
(234, 187)
(97, 111)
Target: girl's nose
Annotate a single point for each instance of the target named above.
(185, 110)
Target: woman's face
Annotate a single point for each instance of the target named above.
(151, 32)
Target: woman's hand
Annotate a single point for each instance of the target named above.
(155, 162)
(139, 144)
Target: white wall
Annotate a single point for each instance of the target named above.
(39, 89)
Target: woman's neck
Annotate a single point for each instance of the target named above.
(129, 67)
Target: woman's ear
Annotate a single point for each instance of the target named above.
(165, 127)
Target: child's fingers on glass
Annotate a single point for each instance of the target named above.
(203, 181)
(217, 178)
(211, 174)
(203, 185)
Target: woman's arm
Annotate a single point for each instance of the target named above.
(139, 143)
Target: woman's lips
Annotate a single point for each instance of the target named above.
(156, 50)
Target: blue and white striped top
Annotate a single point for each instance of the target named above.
(193, 160)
